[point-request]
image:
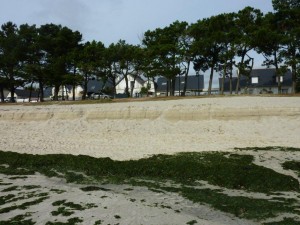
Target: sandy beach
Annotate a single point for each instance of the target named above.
(132, 130)
(138, 129)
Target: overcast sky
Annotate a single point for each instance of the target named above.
(111, 20)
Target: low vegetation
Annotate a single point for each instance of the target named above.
(19, 220)
(223, 169)
(182, 173)
(292, 165)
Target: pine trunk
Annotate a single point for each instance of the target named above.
(41, 85)
(239, 76)
(211, 79)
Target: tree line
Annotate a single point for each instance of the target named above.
(53, 55)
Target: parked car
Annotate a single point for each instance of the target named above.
(100, 95)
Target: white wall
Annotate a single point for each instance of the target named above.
(120, 88)
(63, 91)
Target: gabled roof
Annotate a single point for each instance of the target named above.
(140, 80)
(97, 85)
(26, 93)
(194, 82)
(137, 79)
(47, 92)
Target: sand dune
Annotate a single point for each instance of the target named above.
(138, 129)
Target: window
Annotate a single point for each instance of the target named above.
(131, 84)
(254, 80)
(281, 79)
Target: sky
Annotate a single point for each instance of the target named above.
(109, 21)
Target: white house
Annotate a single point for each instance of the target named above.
(22, 95)
(66, 92)
(78, 91)
(133, 84)
(5, 93)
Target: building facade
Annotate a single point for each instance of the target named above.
(260, 81)
(194, 86)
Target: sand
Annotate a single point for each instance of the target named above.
(137, 129)
(132, 130)
(116, 204)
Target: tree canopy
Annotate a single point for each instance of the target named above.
(52, 55)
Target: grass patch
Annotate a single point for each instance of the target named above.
(91, 205)
(192, 222)
(18, 177)
(27, 196)
(4, 199)
(270, 148)
(15, 171)
(72, 177)
(58, 203)
(71, 221)
(94, 188)
(5, 184)
(58, 191)
(128, 189)
(156, 190)
(62, 211)
(12, 188)
(29, 187)
(18, 220)
(292, 165)
(23, 206)
(225, 170)
(230, 171)
(286, 221)
(66, 208)
(242, 207)
(74, 206)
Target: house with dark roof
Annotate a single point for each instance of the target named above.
(260, 81)
(66, 91)
(97, 85)
(22, 95)
(195, 85)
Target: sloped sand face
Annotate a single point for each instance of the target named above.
(135, 130)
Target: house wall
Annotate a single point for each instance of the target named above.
(6, 92)
(9, 95)
(266, 90)
(120, 88)
(68, 92)
(78, 92)
(152, 86)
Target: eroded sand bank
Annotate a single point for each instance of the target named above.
(134, 130)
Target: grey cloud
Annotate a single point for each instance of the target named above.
(71, 13)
